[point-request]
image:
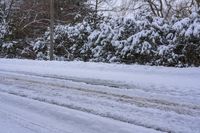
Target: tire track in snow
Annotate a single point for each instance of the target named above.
(91, 112)
(138, 101)
(75, 79)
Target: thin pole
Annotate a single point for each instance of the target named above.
(51, 50)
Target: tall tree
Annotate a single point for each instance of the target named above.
(34, 15)
(167, 8)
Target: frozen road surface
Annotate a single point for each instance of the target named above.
(22, 115)
(77, 97)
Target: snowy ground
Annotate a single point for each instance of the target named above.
(77, 97)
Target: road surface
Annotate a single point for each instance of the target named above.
(44, 103)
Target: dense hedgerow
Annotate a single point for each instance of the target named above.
(142, 39)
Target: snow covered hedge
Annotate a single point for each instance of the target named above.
(142, 39)
(3, 28)
(3, 25)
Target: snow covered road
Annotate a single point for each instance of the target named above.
(64, 97)
(22, 115)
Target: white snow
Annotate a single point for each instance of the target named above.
(179, 78)
(21, 115)
(166, 99)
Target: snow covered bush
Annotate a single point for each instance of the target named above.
(3, 24)
(187, 39)
(3, 30)
(70, 39)
(40, 48)
(18, 49)
(100, 41)
(142, 39)
(128, 40)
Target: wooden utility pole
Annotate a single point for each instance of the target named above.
(51, 49)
